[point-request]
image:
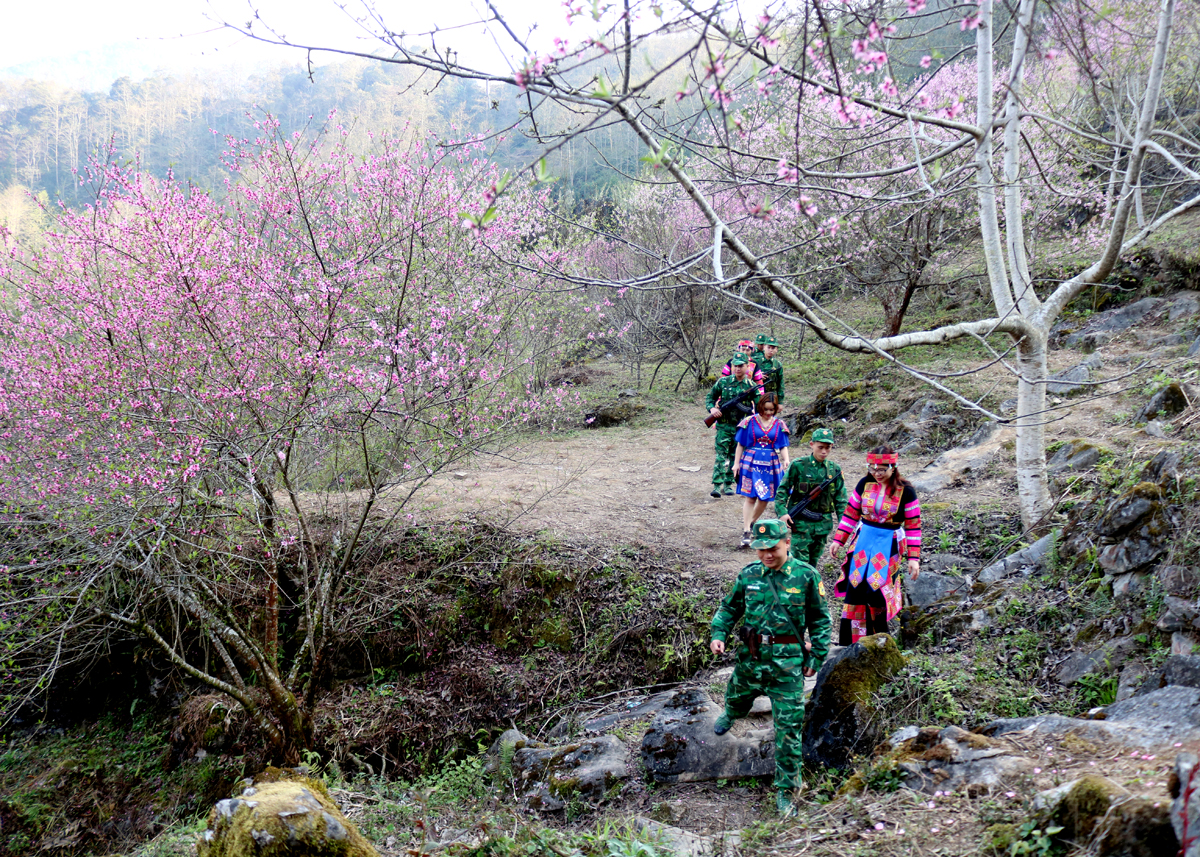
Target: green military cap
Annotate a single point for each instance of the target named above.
(822, 436)
(768, 533)
(765, 339)
(738, 359)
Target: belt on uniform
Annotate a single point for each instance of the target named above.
(785, 639)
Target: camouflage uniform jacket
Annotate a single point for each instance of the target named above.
(804, 475)
(725, 389)
(797, 594)
(772, 371)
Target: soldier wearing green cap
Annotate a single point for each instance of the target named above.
(727, 388)
(804, 475)
(765, 349)
(777, 599)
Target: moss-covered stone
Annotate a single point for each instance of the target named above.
(1137, 828)
(841, 721)
(1084, 804)
(281, 816)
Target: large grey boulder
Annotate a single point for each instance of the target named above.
(1103, 660)
(1104, 327)
(1151, 721)
(1185, 305)
(1028, 558)
(681, 747)
(931, 587)
(550, 775)
(1072, 381)
(1078, 454)
(1134, 529)
(954, 464)
(840, 721)
(1170, 400)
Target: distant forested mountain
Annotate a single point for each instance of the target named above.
(179, 123)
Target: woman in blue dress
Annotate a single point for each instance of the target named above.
(760, 460)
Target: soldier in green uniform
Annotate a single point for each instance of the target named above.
(776, 598)
(764, 358)
(805, 474)
(726, 388)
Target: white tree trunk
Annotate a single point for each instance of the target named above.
(1032, 488)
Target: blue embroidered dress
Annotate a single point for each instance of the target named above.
(761, 467)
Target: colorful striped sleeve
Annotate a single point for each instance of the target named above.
(912, 522)
(850, 518)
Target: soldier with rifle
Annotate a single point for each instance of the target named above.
(818, 481)
(731, 399)
(766, 347)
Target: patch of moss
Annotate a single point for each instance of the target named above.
(853, 682)
(1000, 839)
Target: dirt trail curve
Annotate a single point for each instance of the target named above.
(646, 484)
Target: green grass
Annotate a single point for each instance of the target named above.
(102, 786)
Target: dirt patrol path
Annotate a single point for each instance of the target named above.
(645, 484)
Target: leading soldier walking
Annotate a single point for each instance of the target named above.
(804, 475)
(776, 599)
(766, 347)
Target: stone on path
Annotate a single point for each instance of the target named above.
(684, 843)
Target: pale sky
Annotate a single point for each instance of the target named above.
(66, 39)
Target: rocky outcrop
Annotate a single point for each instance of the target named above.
(1025, 560)
(1151, 721)
(1104, 327)
(292, 817)
(681, 747)
(1095, 809)
(840, 721)
(954, 464)
(1074, 455)
(548, 776)
(1134, 530)
(614, 413)
(1172, 399)
(830, 406)
(1074, 380)
(954, 760)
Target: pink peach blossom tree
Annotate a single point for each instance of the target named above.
(210, 406)
(1020, 114)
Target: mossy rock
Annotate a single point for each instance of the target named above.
(1137, 828)
(841, 721)
(278, 817)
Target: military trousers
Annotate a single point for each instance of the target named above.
(726, 448)
(808, 540)
(779, 676)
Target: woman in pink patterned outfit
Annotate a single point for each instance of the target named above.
(883, 520)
